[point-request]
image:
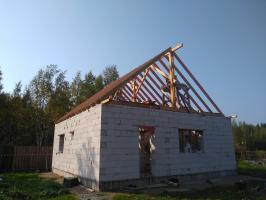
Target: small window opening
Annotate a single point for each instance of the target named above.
(190, 141)
(61, 143)
(72, 133)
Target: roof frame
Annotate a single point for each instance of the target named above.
(156, 82)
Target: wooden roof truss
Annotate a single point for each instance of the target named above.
(163, 81)
(167, 82)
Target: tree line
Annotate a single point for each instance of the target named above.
(249, 137)
(27, 115)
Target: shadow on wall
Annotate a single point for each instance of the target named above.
(88, 161)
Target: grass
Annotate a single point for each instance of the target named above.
(247, 168)
(216, 193)
(29, 186)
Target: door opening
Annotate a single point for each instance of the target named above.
(146, 147)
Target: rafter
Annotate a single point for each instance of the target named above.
(159, 81)
(153, 89)
(197, 83)
(150, 93)
(143, 78)
(155, 67)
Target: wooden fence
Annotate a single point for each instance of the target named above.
(23, 158)
(251, 155)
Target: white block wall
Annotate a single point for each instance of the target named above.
(119, 158)
(81, 155)
(105, 144)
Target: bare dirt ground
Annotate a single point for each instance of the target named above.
(85, 193)
(52, 176)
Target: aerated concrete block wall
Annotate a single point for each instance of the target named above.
(105, 144)
(119, 158)
(81, 155)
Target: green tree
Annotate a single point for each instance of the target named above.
(87, 88)
(75, 89)
(1, 78)
(60, 101)
(42, 86)
(27, 118)
(17, 89)
(41, 89)
(99, 84)
(110, 74)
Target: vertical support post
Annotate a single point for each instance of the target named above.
(134, 91)
(172, 80)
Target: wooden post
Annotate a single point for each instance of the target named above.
(172, 80)
(134, 91)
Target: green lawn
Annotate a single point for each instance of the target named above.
(215, 193)
(247, 168)
(29, 186)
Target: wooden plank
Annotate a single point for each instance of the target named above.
(155, 67)
(157, 77)
(141, 95)
(134, 90)
(138, 93)
(131, 92)
(127, 91)
(191, 87)
(195, 103)
(143, 78)
(154, 82)
(178, 46)
(144, 94)
(197, 83)
(191, 98)
(159, 88)
(164, 65)
(153, 89)
(125, 95)
(137, 97)
(150, 93)
(172, 81)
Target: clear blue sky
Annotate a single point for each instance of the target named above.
(224, 42)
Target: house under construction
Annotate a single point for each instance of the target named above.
(154, 123)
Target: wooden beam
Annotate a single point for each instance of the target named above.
(192, 88)
(164, 65)
(143, 78)
(161, 82)
(154, 82)
(139, 96)
(130, 90)
(154, 66)
(157, 77)
(191, 98)
(125, 95)
(154, 90)
(150, 93)
(134, 90)
(144, 94)
(172, 81)
(178, 46)
(195, 103)
(197, 83)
